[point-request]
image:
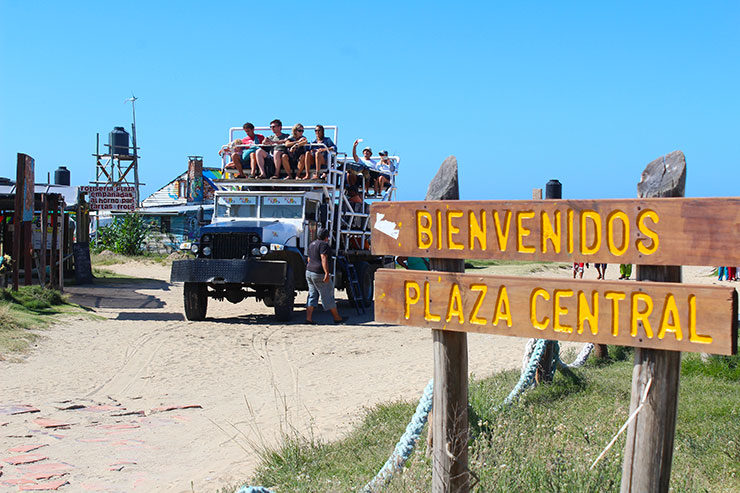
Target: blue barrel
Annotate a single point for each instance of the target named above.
(118, 140)
(61, 176)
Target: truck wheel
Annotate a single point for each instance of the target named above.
(366, 278)
(196, 300)
(284, 297)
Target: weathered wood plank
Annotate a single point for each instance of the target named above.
(653, 315)
(450, 401)
(648, 450)
(689, 231)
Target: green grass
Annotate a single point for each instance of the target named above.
(109, 258)
(30, 308)
(544, 443)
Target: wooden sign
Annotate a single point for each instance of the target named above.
(662, 231)
(668, 316)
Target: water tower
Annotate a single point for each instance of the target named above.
(119, 162)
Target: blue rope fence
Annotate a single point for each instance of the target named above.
(407, 442)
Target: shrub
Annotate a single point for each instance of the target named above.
(124, 235)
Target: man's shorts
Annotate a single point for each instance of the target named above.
(577, 267)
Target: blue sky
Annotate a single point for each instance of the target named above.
(520, 92)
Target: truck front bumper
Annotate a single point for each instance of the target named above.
(260, 272)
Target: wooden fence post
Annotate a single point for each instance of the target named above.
(450, 403)
(649, 449)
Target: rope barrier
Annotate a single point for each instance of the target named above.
(533, 353)
(406, 444)
(253, 489)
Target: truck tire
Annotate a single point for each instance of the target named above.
(366, 279)
(196, 300)
(284, 297)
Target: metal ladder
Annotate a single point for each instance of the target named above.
(354, 284)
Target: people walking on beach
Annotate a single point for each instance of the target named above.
(723, 272)
(578, 269)
(600, 271)
(319, 279)
(625, 271)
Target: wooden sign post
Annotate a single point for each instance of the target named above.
(648, 452)
(450, 400)
(661, 319)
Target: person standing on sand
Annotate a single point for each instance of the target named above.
(319, 279)
(625, 271)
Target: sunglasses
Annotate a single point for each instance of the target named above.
(299, 130)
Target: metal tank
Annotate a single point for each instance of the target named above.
(118, 140)
(61, 176)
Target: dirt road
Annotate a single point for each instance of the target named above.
(251, 378)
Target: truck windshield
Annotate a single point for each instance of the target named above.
(236, 207)
(282, 207)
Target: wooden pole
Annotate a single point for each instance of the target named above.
(64, 231)
(42, 248)
(450, 404)
(27, 253)
(53, 205)
(649, 449)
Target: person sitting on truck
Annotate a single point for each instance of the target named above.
(385, 168)
(318, 279)
(297, 150)
(320, 152)
(279, 151)
(244, 154)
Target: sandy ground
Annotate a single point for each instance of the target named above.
(252, 379)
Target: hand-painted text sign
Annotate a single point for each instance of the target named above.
(663, 231)
(669, 316)
(112, 198)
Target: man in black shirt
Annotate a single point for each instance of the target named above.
(319, 279)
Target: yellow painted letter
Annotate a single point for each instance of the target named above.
(558, 309)
(542, 325)
(693, 336)
(408, 287)
(613, 217)
(423, 231)
(483, 289)
(548, 233)
(641, 316)
(669, 320)
(653, 216)
(476, 230)
(428, 315)
(588, 315)
(615, 297)
(454, 305)
(452, 230)
(503, 310)
(502, 233)
(595, 218)
(521, 231)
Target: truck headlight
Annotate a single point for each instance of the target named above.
(206, 251)
(263, 250)
(194, 248)
(255, 251)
